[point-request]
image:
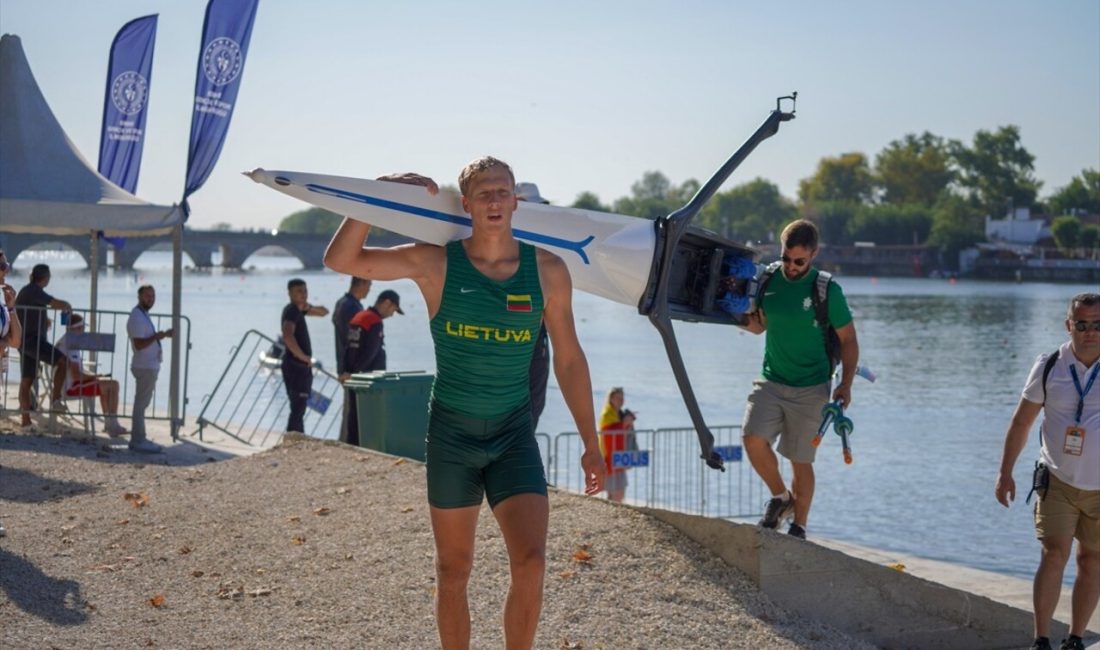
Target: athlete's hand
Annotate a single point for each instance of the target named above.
(594, 471)
(412, 178)
(1006, 489)
(9, 296)
(843, 393)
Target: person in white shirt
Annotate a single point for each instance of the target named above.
(144, 365)
(79, 383)
(1067, 478)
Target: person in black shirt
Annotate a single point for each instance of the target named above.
(32, 304)
(297, 365)
(346, 308)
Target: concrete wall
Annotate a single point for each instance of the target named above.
(889, 608)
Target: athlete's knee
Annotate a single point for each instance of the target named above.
(529, 559)
(452, 569)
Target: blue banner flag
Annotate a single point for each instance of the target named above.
(129, 73)
(225, 34)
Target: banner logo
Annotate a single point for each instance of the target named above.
(129, 91)
(222, 61)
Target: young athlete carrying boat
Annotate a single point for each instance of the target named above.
(486, 297)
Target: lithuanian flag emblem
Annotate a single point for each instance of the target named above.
(519, 303)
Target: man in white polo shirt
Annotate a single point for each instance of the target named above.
(1064, 386)
(144, 365)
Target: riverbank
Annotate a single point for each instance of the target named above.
(310, 544)
(316, 544)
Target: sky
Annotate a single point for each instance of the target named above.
(578, 95)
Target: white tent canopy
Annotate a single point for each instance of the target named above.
(46, 185)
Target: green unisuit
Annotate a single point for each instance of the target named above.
(484, 334)
(794, 347)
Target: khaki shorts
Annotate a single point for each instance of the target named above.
(788, 414)
(1066, 511)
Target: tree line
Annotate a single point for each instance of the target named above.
(920, 189)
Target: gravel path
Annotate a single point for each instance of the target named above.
(319, 545)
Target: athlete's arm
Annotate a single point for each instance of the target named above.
(849, 359)
(423, 263)
(570, 364)
(1015, 441)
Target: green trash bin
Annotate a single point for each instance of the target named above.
(392, 410)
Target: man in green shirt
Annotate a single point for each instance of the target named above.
(786, 402)
(486, 297)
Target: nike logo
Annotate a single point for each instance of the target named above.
(465, 290)
(769, 293)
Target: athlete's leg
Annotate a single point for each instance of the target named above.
(523, 520)
(453, 529)
(802, 486)
(1048, 581)
(761, 427)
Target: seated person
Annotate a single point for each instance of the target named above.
(79, 383)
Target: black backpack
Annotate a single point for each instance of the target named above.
(819, 296)
(1051, 360)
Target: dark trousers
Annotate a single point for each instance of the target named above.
(298, 379)
(351, 419)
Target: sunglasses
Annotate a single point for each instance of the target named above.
(799, 262)
(1083, 325)
(4, 266)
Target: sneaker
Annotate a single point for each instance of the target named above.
(776, 511)
(145, 447)
(115, 430)
(1074, 642)
(1041, 643)
(796, 531)
(3, 531)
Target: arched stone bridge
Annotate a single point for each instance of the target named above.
(200, 245)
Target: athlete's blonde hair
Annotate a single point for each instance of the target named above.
(477, 166)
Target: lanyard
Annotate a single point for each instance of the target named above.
(1081, 393)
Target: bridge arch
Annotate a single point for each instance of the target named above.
(270, 248)
(67, 244)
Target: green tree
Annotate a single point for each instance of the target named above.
(891, 224)
(312, 221)
(1082, 193)
(749, 212)
(1089, 238)
(915, 169)
(997, 171)
(655, 196)
(1067, 233)
(844, 178)
(832, 219)
(956, 224)
(589, 201)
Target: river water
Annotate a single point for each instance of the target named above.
(951, 359)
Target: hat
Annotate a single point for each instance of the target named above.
(391, 295)
(529, 192)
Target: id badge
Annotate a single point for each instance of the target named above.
(1075, 441)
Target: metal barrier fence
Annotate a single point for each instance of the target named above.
(666, 472)
(104, 349)
(249, 400)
